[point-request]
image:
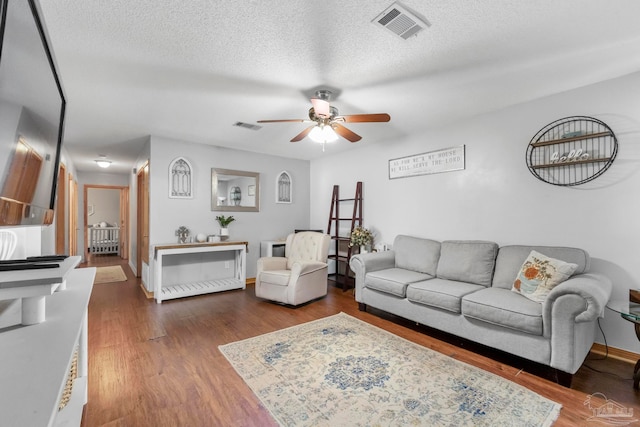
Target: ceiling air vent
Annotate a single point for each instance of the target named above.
(247, 125)
(400, 21)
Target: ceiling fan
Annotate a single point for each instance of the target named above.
(327, 123)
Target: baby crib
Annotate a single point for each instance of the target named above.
(104, 240)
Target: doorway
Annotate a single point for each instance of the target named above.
(106, 220)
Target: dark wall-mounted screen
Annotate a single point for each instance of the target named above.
(32, 107)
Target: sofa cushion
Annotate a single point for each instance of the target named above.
(417, 254)
(540, 274)
(441, 293)
(511, 258)
(469, 261)
(505, 308)
(393, 280)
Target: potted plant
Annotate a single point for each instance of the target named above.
(224, 222)
(362, 237)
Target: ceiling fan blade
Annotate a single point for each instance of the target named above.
(282, 121)
(346, 133)
(366, 118)
(302, 134)
(321, 107)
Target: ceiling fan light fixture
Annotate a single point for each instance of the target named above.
(323, 134)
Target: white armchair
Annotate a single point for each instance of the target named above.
(299, 276)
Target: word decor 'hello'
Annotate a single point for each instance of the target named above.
(445, 160)
(571, 156)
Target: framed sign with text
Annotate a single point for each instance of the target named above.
(445, 160)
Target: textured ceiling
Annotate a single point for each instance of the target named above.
(189, 70)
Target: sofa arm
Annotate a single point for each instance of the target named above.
(595, 289)
(365, 263)
(568, 316)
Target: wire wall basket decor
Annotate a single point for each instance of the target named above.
(572, 151)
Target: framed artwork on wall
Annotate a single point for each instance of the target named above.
(180, 179)
(284, 187)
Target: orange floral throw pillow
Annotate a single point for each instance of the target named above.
(540, 274)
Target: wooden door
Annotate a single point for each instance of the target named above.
(73, 216)
(124, 223)
(143, 218)
(61, 210)
(24, 171)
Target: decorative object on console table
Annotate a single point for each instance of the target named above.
(183, 233)
(571, 151)
(224, 222)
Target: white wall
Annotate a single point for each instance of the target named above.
(105, 203)
(272, 222)
(496, 197)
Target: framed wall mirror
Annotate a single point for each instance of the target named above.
(235, 191)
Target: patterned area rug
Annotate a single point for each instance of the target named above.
(110, 274)
(340, 371)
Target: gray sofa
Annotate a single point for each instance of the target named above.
(464, 288)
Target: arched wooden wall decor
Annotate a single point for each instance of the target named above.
(180, 179)
(572, 151)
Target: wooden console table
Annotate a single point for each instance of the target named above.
(196, 278)
(36, 359)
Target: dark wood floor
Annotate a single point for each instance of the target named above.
(159, 365)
